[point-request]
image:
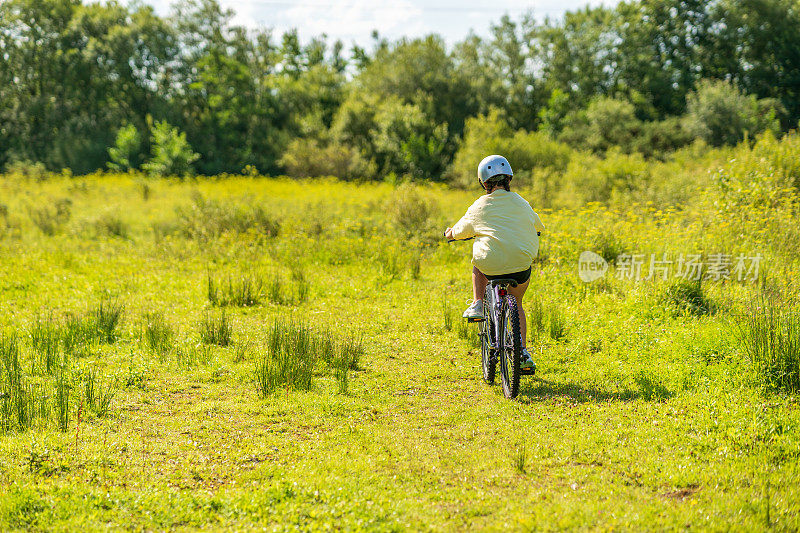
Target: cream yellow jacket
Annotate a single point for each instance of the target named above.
(504, 226)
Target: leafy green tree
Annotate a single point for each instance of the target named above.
(422, 73)
(719, 113)
(553, 115)
(171, 153)
(528, 152)
(409, 141)
(757, 47)
(125, 152)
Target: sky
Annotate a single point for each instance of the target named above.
(352, 21)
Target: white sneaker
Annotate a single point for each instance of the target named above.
(475, 310)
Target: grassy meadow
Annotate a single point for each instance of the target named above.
(242, 353)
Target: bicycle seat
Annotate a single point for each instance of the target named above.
(503, 282)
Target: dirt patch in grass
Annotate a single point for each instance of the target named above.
(682, 493)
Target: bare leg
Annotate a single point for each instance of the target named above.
(519, 292)
(479, 283)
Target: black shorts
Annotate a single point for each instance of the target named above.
(519, 277)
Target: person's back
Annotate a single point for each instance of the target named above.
(505, 229)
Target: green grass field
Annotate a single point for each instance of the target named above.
(647, 413)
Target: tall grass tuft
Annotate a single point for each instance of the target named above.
(770, 334)
(688, 296)
(112, 225)
(289, 359)
(519, 457)
(61, 394)
(16, 398)
(275, 289)
(97, 397)
(447, 315)
(76, 332)
(157, 334)
(209, 219)
(535, 315)
(301, 283)
(557, 323)
(351, 349)
(243, 291)
(415, 265)
(49, 217)
(106, 317)
(216, 329)
(46, 337)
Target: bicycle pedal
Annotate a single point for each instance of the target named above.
(472, 320)
(527, 371)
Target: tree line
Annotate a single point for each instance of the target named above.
(103, 85)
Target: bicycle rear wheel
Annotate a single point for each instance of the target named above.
(488, 359)
(510, 348)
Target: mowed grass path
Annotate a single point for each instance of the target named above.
(641, 418)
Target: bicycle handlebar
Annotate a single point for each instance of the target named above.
(469, 239)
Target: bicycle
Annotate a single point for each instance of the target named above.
(500, 321)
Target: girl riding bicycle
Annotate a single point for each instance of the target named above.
(506, 231)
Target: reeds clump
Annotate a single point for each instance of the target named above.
(447, 315)
(557, 323)
(16, 403)
(105, 319)
(157, 334)
(46, 338)
(288, 360)
(245, 290)
(291, 354)
(519, 457)
(97, 396)
(770, 334)
(216, 329)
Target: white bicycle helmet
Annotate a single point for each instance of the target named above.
(493, 165)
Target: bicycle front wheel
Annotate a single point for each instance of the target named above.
(510, 348)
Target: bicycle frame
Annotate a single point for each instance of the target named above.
(498, 307)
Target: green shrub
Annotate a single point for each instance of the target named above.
(611, 180)
(171, 153)
(605, 123)
(209, 219)
(411, 212)
(27, 169)
(51, 217)
(719, 113)
(765, 177)
(124, 154)
(309, 158)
